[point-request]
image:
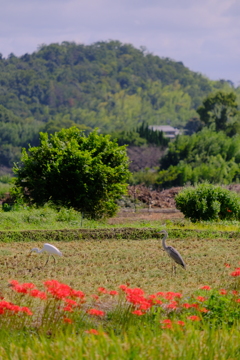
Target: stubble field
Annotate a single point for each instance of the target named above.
(88, 264)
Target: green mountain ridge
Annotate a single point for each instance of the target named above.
(109, 85)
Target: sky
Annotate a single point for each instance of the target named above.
(203, 34)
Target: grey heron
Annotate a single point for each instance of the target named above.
(172, 252)
(50, 249)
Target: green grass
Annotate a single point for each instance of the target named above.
(222, 344)
(105, 258)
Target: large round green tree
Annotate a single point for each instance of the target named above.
(87, 173)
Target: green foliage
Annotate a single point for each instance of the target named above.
(148, 177)
(128, 138)
(218, 108)
(203, 156)
(208, 202)
(75, 171)
(109, 85)
(141, 136)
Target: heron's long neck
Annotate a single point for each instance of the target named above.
(164, 241)
(38, 251)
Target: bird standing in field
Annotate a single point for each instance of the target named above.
(50, 249)
(173, 253)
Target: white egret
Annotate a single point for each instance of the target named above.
(50, 249)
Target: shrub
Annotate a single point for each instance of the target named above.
(208, 202)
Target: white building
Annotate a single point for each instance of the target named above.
(169, 131)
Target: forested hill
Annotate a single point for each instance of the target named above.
(108, 85)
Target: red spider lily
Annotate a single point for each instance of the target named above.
(171, 295)
(194, 318)
(138, 312)
(238, 300)
(92, 331)
(228, 210)
(4, 305)
(223, 292)
(153, 299)
(123, 287)
(203, 310)
(26, 310)
(235, 292)
(96, 312)
(201, 298)
(95, 297)
(236, 272)
(135, 291)
(172, 305)
(188, 306)
(167, 324)
(38, 294)
(67, 320)
(58, 290)
(205, 287)
(68, 308)
(136, 297)
(102, 290)
(70, 302)
(181, 323)
(21, 288)
(77, 293)
(113, 292)
(227, 265)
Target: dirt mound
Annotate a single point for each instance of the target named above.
(154, 198)
(164, 198)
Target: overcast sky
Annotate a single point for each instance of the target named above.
(203, 34)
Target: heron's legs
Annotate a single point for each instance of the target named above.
(54, 259)
(46, 261)
(173, 269)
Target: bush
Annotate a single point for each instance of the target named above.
(86, 173)
(208, 202)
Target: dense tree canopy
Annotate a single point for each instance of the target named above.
(218, 109)
(70, 169)
(204, 156)
(109, 85)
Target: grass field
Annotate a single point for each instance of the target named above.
(87, 264)
(110, 262)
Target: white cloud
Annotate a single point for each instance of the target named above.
(203, 34)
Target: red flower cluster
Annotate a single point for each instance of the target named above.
(96, 312)
(194, 318)
(92, 331)
(67, 320)
(168, 323)
(227, 265)
(103, 290)
(7, 306)
(205, 287)
(169, 295)
(136, 297)
(236, 272)
(27, 288)
(201, 298)
(223, 292)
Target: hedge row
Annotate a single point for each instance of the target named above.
(118, 233)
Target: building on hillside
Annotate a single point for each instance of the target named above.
(169, 131)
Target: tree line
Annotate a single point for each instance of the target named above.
(107, 85)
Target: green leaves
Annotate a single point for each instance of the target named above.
(208, 202)
(72, 170)
(218, 108)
